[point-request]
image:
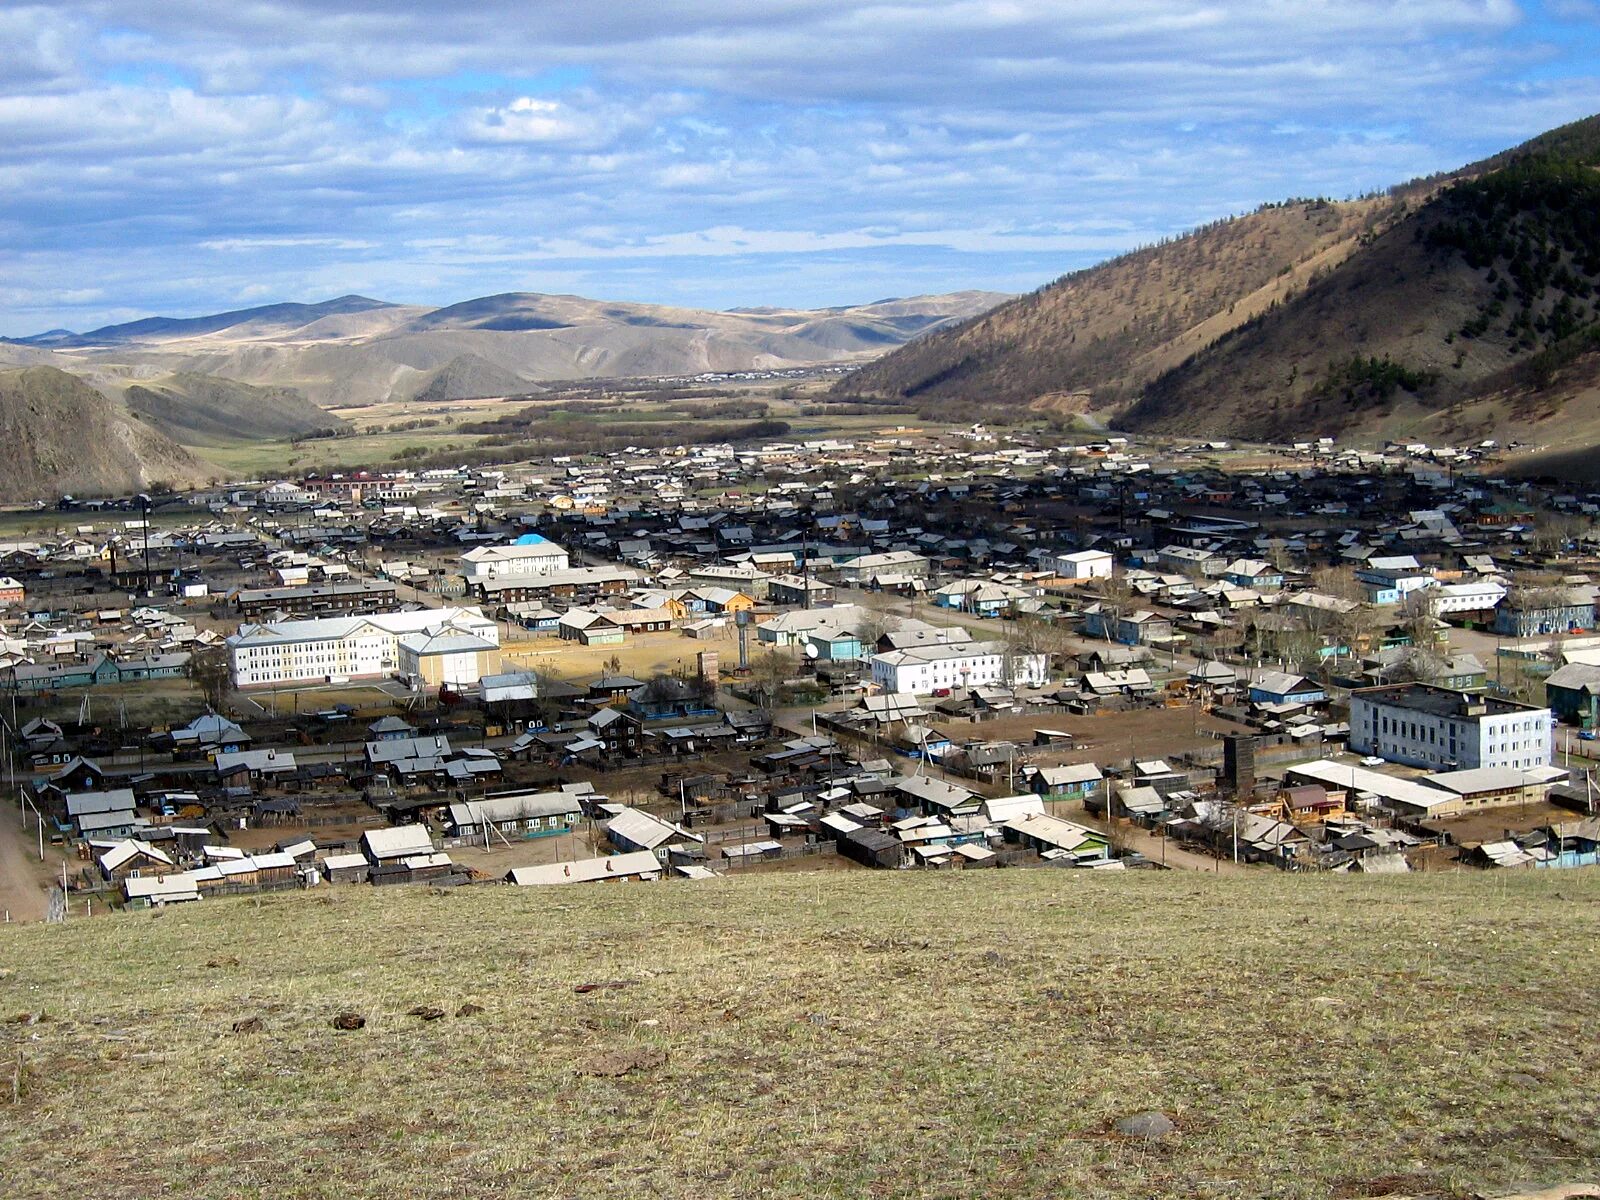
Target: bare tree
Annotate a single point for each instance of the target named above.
(209, 669)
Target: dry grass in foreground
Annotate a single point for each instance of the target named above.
(865, 1035)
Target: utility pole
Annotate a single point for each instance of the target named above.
(144, 506)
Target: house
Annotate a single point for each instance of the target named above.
(314, 600)
(241, 767)
(1057, 839)
(386, 847)
(935, 797)
(864, 568)
(1281, 687)
(134, 859)
(1083, 564)
(590, 628)
(1309, 804)
(1253, 573)
(616, 868)
(978, 596)
(409, 758)
(794, 589)
(1573, 694)
(998, 810)
(390, 729)
(1139, 628)
(76, 775)
(1079, 781)
(634, 829)
(108, 814)
(529, 814)
(1527, 617)
(832, 645)
(156, 891)
(620, 733)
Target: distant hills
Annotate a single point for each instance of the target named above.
(355, 350)
(1457, 306)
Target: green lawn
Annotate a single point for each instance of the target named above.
(849, 1035)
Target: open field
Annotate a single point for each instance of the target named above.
(642, 655)
(395, 432)
(818, 1034)
(1144, 733)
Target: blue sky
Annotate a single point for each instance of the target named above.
(188, 157)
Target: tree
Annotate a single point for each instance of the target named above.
(1419, 618)
(768, 672)
(873, 625)
(1552, 532)
(208, 668)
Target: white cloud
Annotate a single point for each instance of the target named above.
(182, 150)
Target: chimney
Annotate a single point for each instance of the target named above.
(707, 660)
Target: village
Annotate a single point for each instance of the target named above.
(667, 665)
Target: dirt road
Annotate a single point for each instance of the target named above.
(20, 893)
(1169, 853)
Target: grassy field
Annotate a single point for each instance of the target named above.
(944, 1035)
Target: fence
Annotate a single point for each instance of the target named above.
(827, 849)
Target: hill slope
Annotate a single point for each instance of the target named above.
(356, 351)
(1451, 307)
(270, 318)
(1491, 285)
(202, 410)
(820, 1035)
(469, 377)
(61, 435)
(1104, 332)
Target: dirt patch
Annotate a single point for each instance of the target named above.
(613, 1063)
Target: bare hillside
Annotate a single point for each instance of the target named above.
(1102, 333)
(1464, 304)
(355, 351)
(202, 410)
(64, 436)
(469, 377)
(1491, 288)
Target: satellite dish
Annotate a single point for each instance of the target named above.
(812, 651)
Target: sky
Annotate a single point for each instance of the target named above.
(188, 157)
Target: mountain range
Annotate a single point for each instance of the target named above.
(356, 351)
(157, 393)
(1464, 305)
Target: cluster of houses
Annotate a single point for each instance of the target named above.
(1309, 605)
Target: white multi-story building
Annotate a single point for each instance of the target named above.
(1084, 564)
(927, 669)
(520, 560)
(332, 649)
(1426, 726)
(1478, 596)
